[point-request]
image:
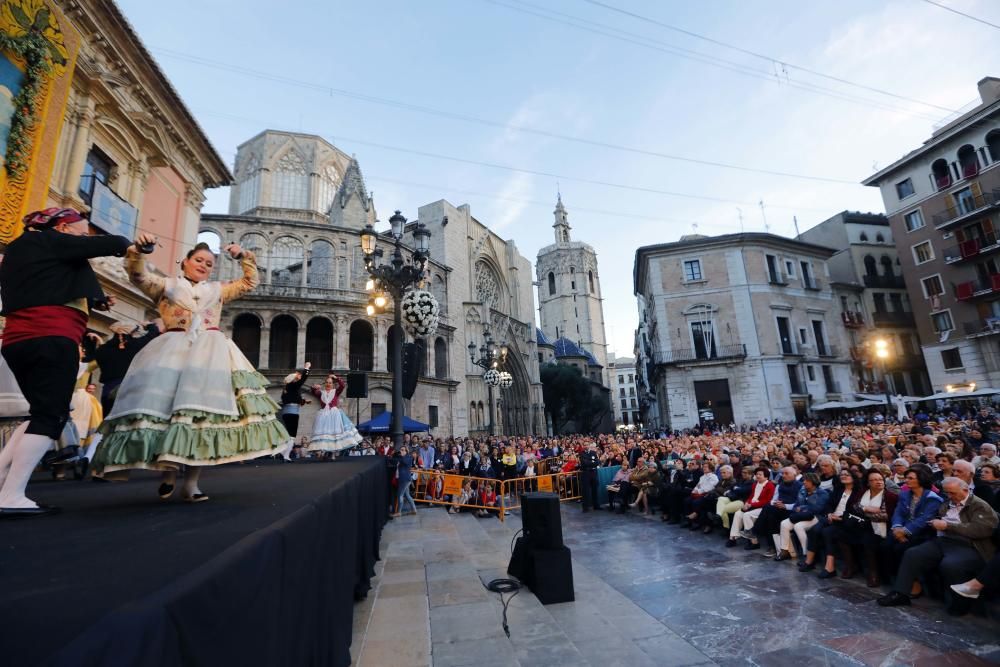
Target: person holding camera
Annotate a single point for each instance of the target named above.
(48, 289)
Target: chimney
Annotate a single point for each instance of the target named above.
(989, 89)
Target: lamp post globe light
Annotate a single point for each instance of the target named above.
(393, 279)
(882, 353)
(491, 358)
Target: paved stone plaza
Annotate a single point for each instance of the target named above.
(646, 594)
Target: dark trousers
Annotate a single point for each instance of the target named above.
(291, 423)
(622, 497)
(957, 561)
(673, 503)
(990, 575)
(892, 552)
(769, 522)
(588, 480)
(109, 392)
(45, 369)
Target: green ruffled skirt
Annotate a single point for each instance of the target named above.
(195, 437)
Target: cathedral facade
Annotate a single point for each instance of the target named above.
(299, 204)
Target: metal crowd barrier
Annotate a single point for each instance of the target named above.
(432, 487)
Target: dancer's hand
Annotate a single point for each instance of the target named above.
(234, 250)
(144, 240)
(307, 365)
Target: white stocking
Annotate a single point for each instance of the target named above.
(191, 476)
(287, 451)
(7, 453)
(29, 450)
(92, 447)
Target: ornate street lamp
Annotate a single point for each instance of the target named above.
(394, 280)
(491, 358)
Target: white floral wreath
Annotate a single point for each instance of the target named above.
(506, 380)
(492, 377)
(420, 313)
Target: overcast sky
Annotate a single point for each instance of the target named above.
(357, 72)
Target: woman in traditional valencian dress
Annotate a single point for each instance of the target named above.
(190, 397)
(332, 430)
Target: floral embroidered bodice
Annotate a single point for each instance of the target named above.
(188, 305)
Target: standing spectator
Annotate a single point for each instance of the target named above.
(589, 463)
(404, 475)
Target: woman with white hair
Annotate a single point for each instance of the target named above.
(291, 401)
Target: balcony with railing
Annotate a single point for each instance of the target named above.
(966, 209)
(852, 319)
(987, 243)
(972, 289)
(893, 319)
(983, 326)
(889, 281)
(700, 355)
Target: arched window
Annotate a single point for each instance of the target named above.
(993, 145)
(290, 182)
(473, 416)
(886, 265)
(968, 161)
(482, 415)
(361, 346)
(284, 336)
(246, 335)
(590, 277)
(879, 238)
(388, 348)
(319, 343)
(286, 261)
(248, 184)
(440, 359)
(322, 265)
(440, 293)
(871, 268)
(941, 173)
(328, 181)
(863, 237)
(257, 244)
(552, 283)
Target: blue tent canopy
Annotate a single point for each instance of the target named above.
(381, 424)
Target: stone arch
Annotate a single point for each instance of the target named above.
(284, 339)
(286, 260)
(489, 286)
(120, 136)
(257, 243)
(246, 336)
(552, 283)
(361, 346)
(290, 177)
(322, 265)
(319, 342)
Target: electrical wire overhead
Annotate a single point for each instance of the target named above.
(265, 76)
(968, 16)
(772, 59)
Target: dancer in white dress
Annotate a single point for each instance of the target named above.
(332, 430)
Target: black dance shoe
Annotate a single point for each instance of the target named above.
(165, 490)
(28, 512)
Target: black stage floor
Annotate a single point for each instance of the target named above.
(120, 560)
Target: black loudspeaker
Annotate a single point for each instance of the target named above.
(357, 385)
(541, 520)
(548, 573)
(412, 368)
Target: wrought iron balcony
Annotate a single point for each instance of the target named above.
(874, 280)
(694, 356)
(975, 288)
(966, 209)
(903, 318)
(852, 319)
(982, 326)
(985, 244)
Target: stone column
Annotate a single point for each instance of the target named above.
(138, 173)
(80, 147)
(305, 266)
(300, 345)
(341, 341)
(265, 344)
(380, 346)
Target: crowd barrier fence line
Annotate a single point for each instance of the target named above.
(428, 491)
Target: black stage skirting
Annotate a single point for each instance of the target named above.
(265, 573)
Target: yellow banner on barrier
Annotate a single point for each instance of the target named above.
(452, 485)
(545, 483)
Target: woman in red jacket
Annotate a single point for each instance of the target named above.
(760, 496)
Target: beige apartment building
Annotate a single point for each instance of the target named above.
(943, 203)
(738, 328)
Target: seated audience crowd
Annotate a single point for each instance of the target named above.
(910, 506)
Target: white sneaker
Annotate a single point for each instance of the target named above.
(965, 591)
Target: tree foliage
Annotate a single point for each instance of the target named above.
(568, 399)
